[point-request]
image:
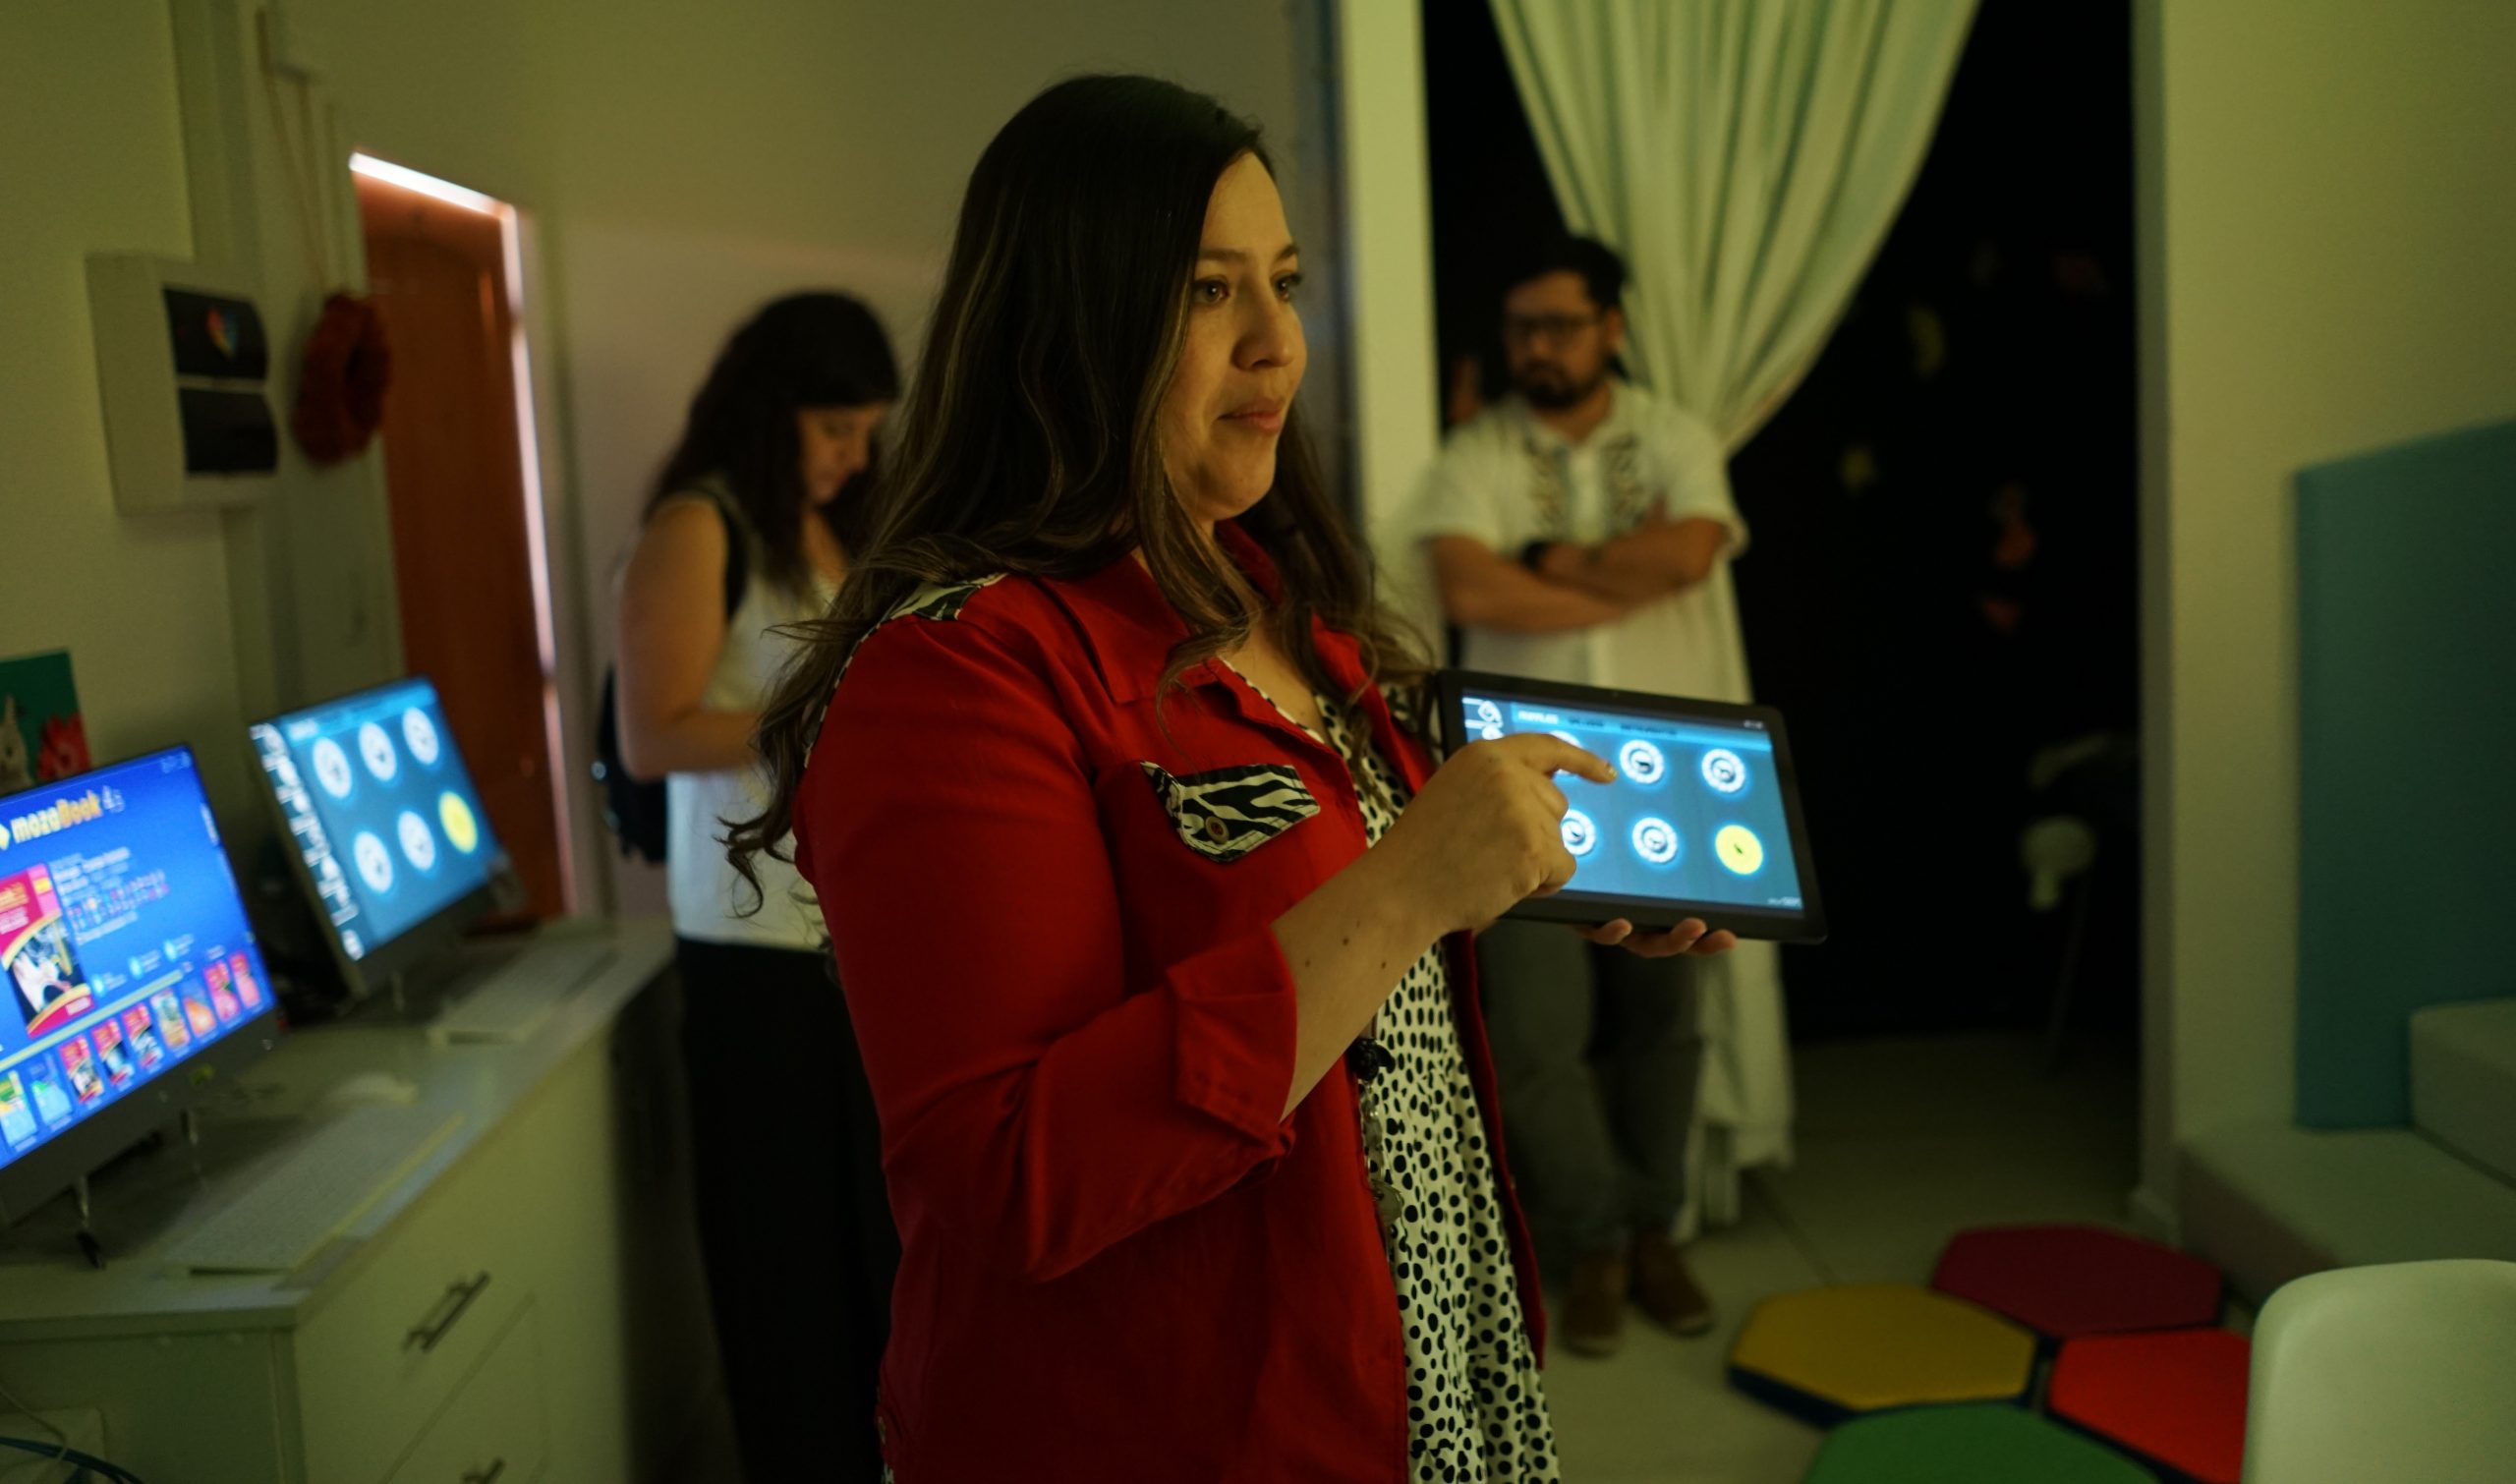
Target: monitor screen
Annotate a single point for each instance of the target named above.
(126, 954)
(383, 819)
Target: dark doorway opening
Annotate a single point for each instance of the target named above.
(1941, 590)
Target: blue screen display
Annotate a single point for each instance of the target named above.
(1695, 814)
(380, 808)
(123, 942)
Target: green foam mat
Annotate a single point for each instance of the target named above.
(1967, 1444)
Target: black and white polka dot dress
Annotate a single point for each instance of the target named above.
(1476, 1410)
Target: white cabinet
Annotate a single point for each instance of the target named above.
(527, 1306)
(493, 1430)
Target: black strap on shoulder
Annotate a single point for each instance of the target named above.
(737, 564)
(737, 543)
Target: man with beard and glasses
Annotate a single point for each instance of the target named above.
(1581, 531)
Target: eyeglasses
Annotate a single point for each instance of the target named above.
(1521, 330)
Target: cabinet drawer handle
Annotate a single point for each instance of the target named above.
(458, 1298)
(488, 1475)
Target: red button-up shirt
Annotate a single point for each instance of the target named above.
(1119, 1260)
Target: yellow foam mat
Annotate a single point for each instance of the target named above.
(1868, 1347)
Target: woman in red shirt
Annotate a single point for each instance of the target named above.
(1187, 1116)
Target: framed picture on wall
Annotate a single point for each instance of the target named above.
(41, 734)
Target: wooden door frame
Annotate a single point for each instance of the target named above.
(576, 683)
(557, 593)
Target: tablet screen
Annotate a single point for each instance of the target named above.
(1700, 815)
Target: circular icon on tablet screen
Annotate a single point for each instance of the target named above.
(1581, 832)
(1724, 772)
(1739, 850)
(1489, 721)
(1642, 762)
(418, 846)
(374, 862)
(419, 735)
(1655, 840)
(454, 816)
(332, 767)
(378, 749)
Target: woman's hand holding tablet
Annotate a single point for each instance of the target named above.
(1689, 937)
(1700, 823)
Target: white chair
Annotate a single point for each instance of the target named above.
(2406, 1371)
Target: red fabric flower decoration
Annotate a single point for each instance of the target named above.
(340, 401)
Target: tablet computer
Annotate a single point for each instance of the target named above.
(1702, 820)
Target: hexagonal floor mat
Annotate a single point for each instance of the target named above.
(2066, 1282)
(1832, 1354)
(2176, 1398)
(1980, 1444)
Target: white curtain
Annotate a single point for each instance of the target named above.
(1746, 157)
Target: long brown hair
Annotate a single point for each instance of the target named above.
(1027, 443)
(815, 349)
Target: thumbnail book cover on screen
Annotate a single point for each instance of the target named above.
(16, 1120)
(34, 948)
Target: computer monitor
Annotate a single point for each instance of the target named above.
(130, 970)
(384, 828)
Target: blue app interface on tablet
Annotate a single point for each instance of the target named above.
(381, 809)
(1696, 813)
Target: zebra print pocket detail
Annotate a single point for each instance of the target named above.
(1226, 812)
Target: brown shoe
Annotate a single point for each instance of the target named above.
(1664, 1288)
(1594, 1313)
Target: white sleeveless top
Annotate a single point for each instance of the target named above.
(707, 897)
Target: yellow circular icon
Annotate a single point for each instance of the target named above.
(460, 828)
(1739, 849)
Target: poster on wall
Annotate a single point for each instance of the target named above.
(42, 735)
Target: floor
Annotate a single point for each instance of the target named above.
(1902, 1143)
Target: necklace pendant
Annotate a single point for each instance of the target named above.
(1367, 1059)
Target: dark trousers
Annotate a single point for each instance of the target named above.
(1597, 1059)
(797, 1234)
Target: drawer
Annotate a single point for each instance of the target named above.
(382, 1356)
(493, 1430)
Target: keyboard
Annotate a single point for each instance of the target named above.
(511, 1000)
(315, 1190)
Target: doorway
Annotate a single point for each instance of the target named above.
(470, 552)
(1940, 590)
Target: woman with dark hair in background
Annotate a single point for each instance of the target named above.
(1189, 1119)
(750, 529)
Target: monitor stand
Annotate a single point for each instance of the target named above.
(156, 1186)
(419, 993)
(91, 1246)
(83, 1231)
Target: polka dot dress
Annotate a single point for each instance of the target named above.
(1476, 1413)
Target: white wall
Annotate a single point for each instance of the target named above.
(311, 603)
(682, 166)
(2327, 202)
(678, 162)
(681, 163)
(1388, 203)
(140, 603)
